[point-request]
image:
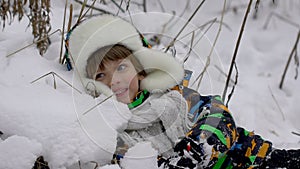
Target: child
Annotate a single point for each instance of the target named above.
(111, 60)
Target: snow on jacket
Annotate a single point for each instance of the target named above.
(160, 119)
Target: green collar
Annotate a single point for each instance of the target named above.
(139, 99)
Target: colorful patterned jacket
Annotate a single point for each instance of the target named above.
(214, 130)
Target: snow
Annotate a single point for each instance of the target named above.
(142, 156)
(38, 119)
(20, 150)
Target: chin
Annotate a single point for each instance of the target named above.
(124, 100)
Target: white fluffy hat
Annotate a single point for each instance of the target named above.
(163, 71)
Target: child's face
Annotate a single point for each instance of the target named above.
(121, 77)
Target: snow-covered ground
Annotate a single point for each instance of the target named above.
(37, 119)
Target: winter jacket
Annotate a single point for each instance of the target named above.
(160, 119)
(214, 141)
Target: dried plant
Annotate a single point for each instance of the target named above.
(40, 22)
(38, 15)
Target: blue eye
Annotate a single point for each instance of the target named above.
(121, 67)
(100, 76)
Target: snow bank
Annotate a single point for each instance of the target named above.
(141, 156)
(18, 152)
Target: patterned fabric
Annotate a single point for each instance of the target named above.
(214, 141)
(139, 99)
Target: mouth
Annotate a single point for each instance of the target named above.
(120, 92)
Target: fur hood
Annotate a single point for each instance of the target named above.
(163, 71)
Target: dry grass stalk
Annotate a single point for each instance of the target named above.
(90, 109)
(199, 78)
(38, 16)
(161, 6)
(90, 6)
(256, 9)
(236, 49)
(191, 17)
(119, 6)
(145, 5)
(58, 30)
(63, 33)
(273, 14)
(223, 73)
(277, 104)
(5, 12)
(186, 57)
(54, 81)
(40, 22)
(295, 54)
(297, 134)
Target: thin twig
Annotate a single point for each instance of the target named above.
(90, 109)
(256, 9)
(294, 50)
(281, 18)
(236, 50)
(190, 48)
(62, 34)
(164, 26)
(76, 69)
(234, 84)
(70, 17)
(90, 7)
(185, 8)
(94, 8)
(198, 28)
(120, 8)
(191, 17)
(223, 73)
(144, 5)
(235, 8)
(58, 30)
(210, 22)
(211, 49)
(276, 102)
(97, 165)
(55, 74)
(127, 6)
(161, 6)
(297, 134)
(79, 164)
(83, 4)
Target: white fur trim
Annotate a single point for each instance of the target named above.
(163, 71)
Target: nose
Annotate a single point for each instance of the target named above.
(115, 80)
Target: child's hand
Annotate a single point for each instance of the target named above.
(115, 113)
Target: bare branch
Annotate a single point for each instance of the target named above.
(236, 49)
